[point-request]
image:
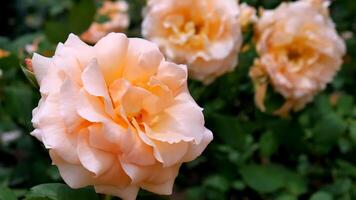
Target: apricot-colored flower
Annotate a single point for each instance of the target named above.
(204, 34)
(117, 21)
(4, 53)
(300, 52)
(247, 16)
(117, 115)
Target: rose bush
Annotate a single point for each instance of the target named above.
(255, 155)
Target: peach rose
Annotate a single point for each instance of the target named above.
(247, 16)
(204, 34)
(118, 21)
(4, 53)
(300, 52)
(117, 115)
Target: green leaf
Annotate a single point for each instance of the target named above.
(81, 16)
(58, 191)
(19, 102)
(6, 194)
(321, 195)
(352, 132)
(347, 168)
(194, 193)
(268, 144)
(286, 197)
(217, 182)
(340, 186)
(263, 179)
(5, 174)
(295, 183)
(327, 131)
(344, 145)
(238, 185)
(230, 130)
(345, 104)
(56, 31)
(9, 67)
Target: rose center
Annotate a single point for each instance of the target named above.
(186, 32)
(294, 55)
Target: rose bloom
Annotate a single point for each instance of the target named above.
(300, 52)
(247, 15)
(4, 53)
(204, 34)
(118, 21)
(117, 115)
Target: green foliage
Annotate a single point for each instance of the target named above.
(78, 19)
(254, 155)
(6, 194)
(321, 196)
(263, 179)
(57, 191)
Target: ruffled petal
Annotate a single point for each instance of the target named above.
(80, 49)
(171, 154)
(109, 51)
(94, 160)
(95, 85)
(98, 139)
(41, 66)
(74, 175)
(68, 99)
(172, 75)
(153, 178)
(90, 108)
(184, 119)
(67, 62)
(196, 149)
(142, 60)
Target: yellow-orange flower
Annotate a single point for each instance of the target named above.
(247, 16)
(118, 21)
(4, 53)
(300, 52)
(204, 34)
(117, 115)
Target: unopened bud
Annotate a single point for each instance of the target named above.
(28, 63)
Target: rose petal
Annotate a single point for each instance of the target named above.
(174, 121)
(95, 85)
(99, 140)
(68, 99)
(110, 51)
(41, 66)
(174, 76)
(196, 149)
(66, 61)
(153, 178)
(90, 108)
(171, 154)
(74, 175)
(143, 59)
(80, 49)
(94, 160)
